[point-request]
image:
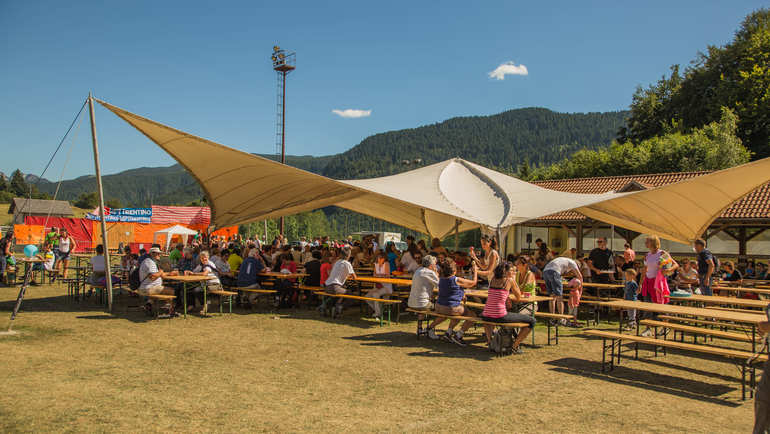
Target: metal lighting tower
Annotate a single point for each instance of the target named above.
(283, 64)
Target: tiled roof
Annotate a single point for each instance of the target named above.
(756, 205)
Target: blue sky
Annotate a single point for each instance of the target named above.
(204, 67)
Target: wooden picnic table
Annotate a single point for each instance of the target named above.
(757, 290)
(190, 279)
(672, 309)
(719, 300)
(391, 280)
(279, 275)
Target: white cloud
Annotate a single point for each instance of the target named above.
(352, 113)
(508, 68)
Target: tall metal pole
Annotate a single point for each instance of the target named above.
(283, 132)
(107, 271)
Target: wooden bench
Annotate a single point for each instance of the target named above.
(695, 331)
(744, 358)
(735, 309)
(386, 303)
(222, 294)
(257, 291)
(159, 297)
(475, 320)
(721, 324)
(557, 317)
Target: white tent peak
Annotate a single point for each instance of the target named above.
(169, 232)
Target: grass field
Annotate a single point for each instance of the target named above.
(75, 368)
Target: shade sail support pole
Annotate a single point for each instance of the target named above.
(98, 170)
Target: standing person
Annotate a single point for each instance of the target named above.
(5, 251)
(495, 310)
(424, 282)
(380, 290)
(67, 245)
(339, 274)
(706, 267)
(655, 285)
(552, 274)
(600, 261)
(486, 266)
(451, 292)
(629, 256)
(176, 254)
(630, 293)
(52, 238)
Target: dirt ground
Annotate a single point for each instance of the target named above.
(76, 368)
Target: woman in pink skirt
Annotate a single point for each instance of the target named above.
(654, 285)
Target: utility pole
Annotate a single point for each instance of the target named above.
(283, 64)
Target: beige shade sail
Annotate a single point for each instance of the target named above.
(441, 198)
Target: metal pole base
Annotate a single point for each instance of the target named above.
(9, 333)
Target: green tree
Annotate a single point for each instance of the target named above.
(3, 184)
(112, 203)
(715, 146)
(87, 200)
(736, 76)
(18, 185)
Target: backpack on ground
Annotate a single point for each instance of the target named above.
(133, 279)
(502, 341)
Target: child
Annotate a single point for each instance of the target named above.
(576, 290)
(631, 290)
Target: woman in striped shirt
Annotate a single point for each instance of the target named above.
(501, 285)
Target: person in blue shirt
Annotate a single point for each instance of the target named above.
(631, 290)
(248, 275)
(392, 257)
(451, 291)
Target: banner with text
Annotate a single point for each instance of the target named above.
(126, 215)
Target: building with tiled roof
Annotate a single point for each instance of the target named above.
(743, 221)
(754, 208)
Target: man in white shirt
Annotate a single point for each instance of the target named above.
(151, 279)
(424, 281)
(205, 268)
(552, 274)
(335, 283)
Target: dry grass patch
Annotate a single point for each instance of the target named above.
(74, 368)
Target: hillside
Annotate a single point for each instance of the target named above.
(503, 141)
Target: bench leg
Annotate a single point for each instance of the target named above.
(557, 332)
(604, 354)
(743, 382)
(549, 331)
(612, 353)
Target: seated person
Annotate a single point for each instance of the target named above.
(761, 271)
(248, 275)
(151, 279)
(341, 270)
(187, 262)
(125, 260)
(451, 292)
(220, 261)
(176, 254)
(732, 274)
(503, 284)
(313, 269)
(750, 270)
(424, 281)
(380, 290)
(205, 268)
(687, 276)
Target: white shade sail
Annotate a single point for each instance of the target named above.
(243, 187)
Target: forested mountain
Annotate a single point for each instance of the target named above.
(503, 141)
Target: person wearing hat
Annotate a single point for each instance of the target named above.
(5, 251)
(151, 279)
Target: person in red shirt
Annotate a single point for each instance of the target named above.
(326, 266)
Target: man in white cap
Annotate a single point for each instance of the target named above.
(151, 279)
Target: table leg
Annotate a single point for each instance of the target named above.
(205, 300)
(184, 298)
(754, 338)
